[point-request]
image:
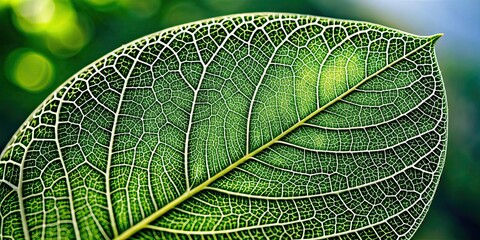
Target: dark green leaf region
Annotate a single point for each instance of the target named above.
(249, 126)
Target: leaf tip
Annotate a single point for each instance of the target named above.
(435, 37)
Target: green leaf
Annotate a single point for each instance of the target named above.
(244, 126)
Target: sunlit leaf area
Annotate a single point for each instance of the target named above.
(45, 42)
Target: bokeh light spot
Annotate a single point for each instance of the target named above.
(37, 11)
(102, 4)
(141, 9)
(68, 40)
(183, 13)
(30, 70)
(4, 4)
(225, 5)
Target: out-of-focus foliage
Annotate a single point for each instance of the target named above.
(43, 42)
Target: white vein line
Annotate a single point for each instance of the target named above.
(60, 154)
(329, 53)
(127, 193)
(167, 46)
(264, 73)
(14, 188)
(20, 193)
(227, 231)
(223, 231)
(195, 94)
(356, 151)
(376, 124)
(3, 217)
(389, 90)
(370, 225)
(149, 177)
(332, 192)
(284, 169)
(94, 217)
(110, 147)
(236, 230)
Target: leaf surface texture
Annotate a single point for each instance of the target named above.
(244, 126)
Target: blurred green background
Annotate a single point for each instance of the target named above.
(44, 42)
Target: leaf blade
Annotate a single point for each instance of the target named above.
(134, 141)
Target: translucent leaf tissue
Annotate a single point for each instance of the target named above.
(261, 125)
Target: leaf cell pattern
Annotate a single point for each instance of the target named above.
(245, 126)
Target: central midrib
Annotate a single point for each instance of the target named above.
(142, 224)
